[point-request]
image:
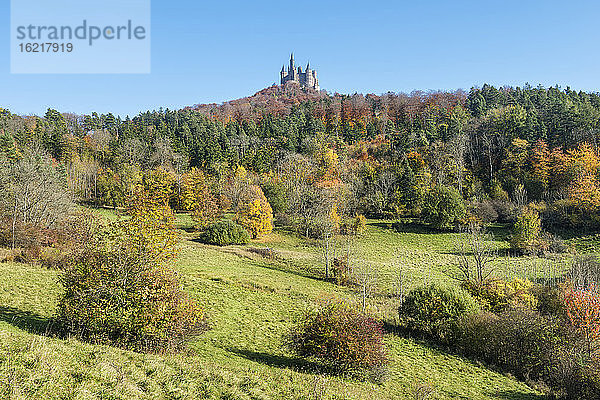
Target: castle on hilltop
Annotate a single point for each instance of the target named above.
(306, 79)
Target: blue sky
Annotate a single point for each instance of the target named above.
(221, 50)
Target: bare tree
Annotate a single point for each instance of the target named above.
(585, 271)
(476, 253)
(520, 196)
(163, 155)
(399, 284)
(365, 276)
(329, 247)
(32, 192)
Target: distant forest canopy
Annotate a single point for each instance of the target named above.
(389, 149)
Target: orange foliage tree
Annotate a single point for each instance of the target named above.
(540, 163)
(583, 309)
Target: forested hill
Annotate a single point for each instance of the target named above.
(479, 142)
(275, 100)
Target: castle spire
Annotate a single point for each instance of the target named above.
(292, 65)
(308, 66)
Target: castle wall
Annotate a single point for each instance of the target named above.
(304, 79)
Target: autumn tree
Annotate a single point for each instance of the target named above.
(160, 184)
(526, 230)
(584, 190)
(197, 196)
(254, 212)
(121, 288)
(582, 306)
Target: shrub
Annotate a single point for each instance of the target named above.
(531, 346)
(507, 210)
(484, 211)
(342, 271)
(526, 231)
(553, 243)
(444, 207)
(585, 271)
(550, 301)
(341, 337)
(355, 226)
(518, 340)
(433, 310)
(264, 252)
(121, 290)
(224, 233)
(582, 306)
(498, 295)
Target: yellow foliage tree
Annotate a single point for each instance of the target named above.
(197, 197)
(160, 184)
(255, 213)
(584, 192)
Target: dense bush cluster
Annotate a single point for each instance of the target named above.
(224, 233)
(498, 295)
(549, 335)
(120, 289)
(434, 310)
(340, 337)
(443, 207)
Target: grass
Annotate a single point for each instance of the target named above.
(251, 303)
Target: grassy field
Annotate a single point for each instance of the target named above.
(251, 302)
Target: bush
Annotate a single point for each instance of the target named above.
(355, 226)
(585, 271)
(526, 231)
(550, 301)
(342, 271)
(120, 289)
(484, 211)
(553, 243)
(533, 347)
(224, 233)
(444, 207)
(499, 295)
(507, 210)
(518, 340)
(434, 310)
(340, 337)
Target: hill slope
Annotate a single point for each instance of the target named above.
(251, 302)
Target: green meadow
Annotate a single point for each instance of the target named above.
(251, 302)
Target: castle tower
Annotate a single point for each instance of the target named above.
(292, 70)
(306, 79)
